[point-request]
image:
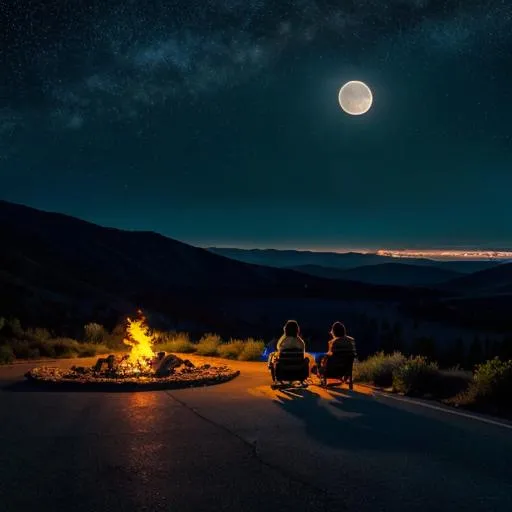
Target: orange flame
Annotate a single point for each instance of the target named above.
(140, 343)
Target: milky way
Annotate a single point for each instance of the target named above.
(85, 58)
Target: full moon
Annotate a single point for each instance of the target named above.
(355, 98)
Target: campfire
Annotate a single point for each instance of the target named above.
(140, 368)
(141, 361)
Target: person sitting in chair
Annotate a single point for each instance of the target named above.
(289, 341)
(340, 343)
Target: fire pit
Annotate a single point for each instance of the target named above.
(140, 369)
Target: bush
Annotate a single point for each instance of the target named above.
(417, 376)
(95, 333)
(491, 385)
(179, 343)
(231, 350)
(208, 345)
(65, 347)
(378, 369)
(92, 349)
(37, 334)
(252, 350)
(6, 354)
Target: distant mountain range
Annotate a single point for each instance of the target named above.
(399, 271)
(493, 281)
(399, 274)
(292, 258)
(61, 269)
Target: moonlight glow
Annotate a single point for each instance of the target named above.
(355, 98)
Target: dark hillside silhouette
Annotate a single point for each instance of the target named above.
(57, 267)
(399, 274)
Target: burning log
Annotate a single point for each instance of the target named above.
(109, 361)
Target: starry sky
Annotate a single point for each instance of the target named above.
(217, 122)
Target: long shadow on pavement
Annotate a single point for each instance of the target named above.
(358, 422)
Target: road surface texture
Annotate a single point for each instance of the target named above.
(241, 447)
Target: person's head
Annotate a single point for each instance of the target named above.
(338, 330)
(291, 328)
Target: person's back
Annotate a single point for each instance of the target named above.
(291, 343)
(341, 343)
(344, 345)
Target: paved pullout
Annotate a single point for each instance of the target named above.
(242, 446)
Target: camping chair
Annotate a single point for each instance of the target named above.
(337, 366)
(291, 366)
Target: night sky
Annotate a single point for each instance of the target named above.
(217, 121)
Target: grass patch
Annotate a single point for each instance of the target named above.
(180, 343)
(252, 350)
(231, 350)
(417, 377)
(57, 348)
(208, 345)
(378, 369)
(92, 349)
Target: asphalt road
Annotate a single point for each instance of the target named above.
(241, 446)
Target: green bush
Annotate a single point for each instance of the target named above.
(491, 385)
(176, 343)
(92, 349)
(95, 333)
(252, 351)
(378, 369)
(231, 350)
(65, 347)
(208, 345)
(37, 334)
(417, 376)
(6, 354)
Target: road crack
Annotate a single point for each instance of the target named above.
(327, 498)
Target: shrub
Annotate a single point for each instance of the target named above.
(65, 347)
(378, 369)
(417, 376)
(231, 350)
(37, 334)
(92, 349)
(114, 340)
(6, 354)
(208, 345)
(95, 333)
(179, 343)
(491, 384)
(252, 350)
